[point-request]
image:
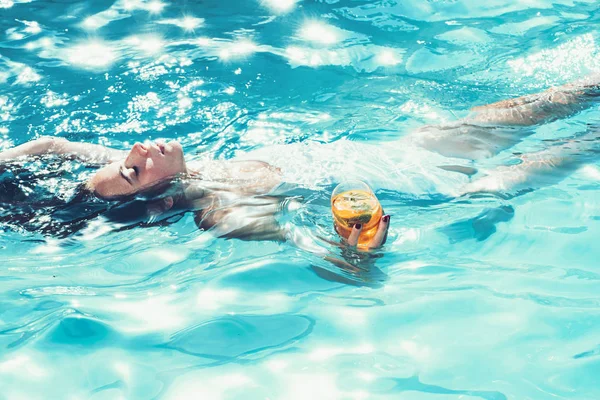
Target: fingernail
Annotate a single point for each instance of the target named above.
(358, 226)
(386, 218)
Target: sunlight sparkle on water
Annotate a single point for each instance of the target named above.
(388, 57)
(152, 314)
(148, 44)
(51, 99)
(325, 353)
(317, 57)
(93, 22)
(212, 299)
(276, 365)
(191, 23)
(187, 23)
(185, 103)
(591, 172)
(31, 27)
(27, 75)
(209, 387)
(48, 248)
(565, 61)
(123, 369)
(280, 6)
(203, 41)
(132, 4)
(312, 386)
(319, 32)
(93, 54)
(238, 49)
(22, 365)
(43, 43)
(155, 7)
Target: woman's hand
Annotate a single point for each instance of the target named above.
(377, 241)
(356, 261)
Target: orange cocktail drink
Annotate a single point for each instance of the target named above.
(354, 203)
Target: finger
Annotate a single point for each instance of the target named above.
(354, 234)
(381, 234)
(345, 265)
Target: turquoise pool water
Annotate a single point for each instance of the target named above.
(504, 306)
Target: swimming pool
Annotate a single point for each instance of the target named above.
(507, 311)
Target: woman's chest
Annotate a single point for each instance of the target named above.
(250, 178)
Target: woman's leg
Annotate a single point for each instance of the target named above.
(550, 105)
(541, 168)
(498, 126)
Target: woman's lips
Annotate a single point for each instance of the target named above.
(161, 147)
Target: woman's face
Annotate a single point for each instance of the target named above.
(145, 165)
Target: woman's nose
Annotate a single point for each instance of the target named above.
(140, 148)
(138, 152)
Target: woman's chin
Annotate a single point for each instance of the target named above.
(175, 146)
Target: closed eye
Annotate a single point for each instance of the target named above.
(124, 176)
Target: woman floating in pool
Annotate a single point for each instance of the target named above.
(240, 198)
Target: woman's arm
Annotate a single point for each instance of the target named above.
(86, 152)
(252, 218)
